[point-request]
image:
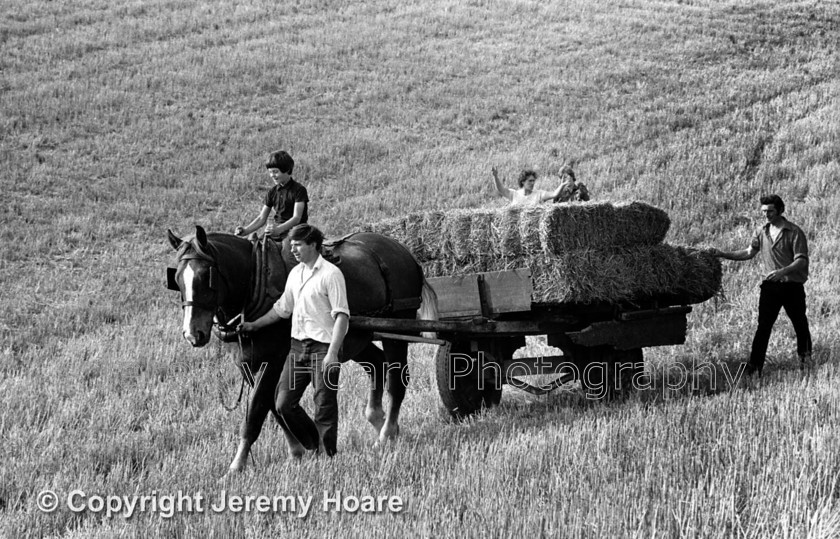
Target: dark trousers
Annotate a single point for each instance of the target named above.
(305, 365)
(773, 297)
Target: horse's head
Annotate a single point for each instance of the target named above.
(203, 285)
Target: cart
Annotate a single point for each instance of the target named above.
(485, 317)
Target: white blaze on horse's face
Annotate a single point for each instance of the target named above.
(198, 310)
(189, 295)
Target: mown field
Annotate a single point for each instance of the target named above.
(121, 119)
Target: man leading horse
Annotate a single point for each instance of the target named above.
(215, 276)
(315, 299)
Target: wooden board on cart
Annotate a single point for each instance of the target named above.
(483, 294)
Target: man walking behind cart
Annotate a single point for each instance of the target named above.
(316, 299)
(784, 252)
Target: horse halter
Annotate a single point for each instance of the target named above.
(172, 282)
(216, 281)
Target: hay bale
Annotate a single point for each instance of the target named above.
(432, 235)
(456, 233)
(529, 225)
(564, 278)
(552, 229)
(483, 235)
(674, 275)
(570, 227)
(662, 272)
(664, 266)
(393, 228)
(506, 224)
(639, 223)
(702, 277)
(548, 229)
(413, 235)
(586, 276)
(577, 253)
(431, 268)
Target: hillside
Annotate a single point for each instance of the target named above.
(122, 119)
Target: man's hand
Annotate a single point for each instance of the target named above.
(329, 359)
(246, 327)
(777, 276)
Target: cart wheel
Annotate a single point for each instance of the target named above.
(606, 373)
(467, 381)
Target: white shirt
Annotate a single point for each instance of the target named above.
(519, 197)
(313, 298)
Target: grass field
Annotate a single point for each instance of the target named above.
(122, 119)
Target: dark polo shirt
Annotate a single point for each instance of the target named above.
(282, 200)
(790, 245)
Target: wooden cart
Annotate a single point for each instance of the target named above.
(485, 317)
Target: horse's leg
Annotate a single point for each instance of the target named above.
(240, 460)
(372, 359)
(263, 357)
(396, 354)
(261, 402)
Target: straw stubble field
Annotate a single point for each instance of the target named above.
(121, 119)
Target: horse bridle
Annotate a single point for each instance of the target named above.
(216, 279)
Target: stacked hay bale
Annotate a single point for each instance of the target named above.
(577, 253)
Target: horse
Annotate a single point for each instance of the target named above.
(216, 276)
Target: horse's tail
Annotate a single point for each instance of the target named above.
(428, 306)
(428, 303)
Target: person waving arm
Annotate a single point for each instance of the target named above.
(502, 191)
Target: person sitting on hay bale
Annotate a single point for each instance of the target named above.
(526, 195)
(571, 190)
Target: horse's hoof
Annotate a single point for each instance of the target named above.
(238, 465)
(389, 432)
(230, 475)
(375, 418)
(385, 440)
(295, 449)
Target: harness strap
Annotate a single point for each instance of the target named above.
(257, 285)
(267, 279)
